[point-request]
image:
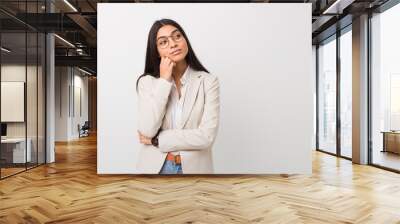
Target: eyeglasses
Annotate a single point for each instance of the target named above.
(163, 42)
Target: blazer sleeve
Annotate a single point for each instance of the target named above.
(201, 137)
(152, 100)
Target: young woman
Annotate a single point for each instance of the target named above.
(178, 102)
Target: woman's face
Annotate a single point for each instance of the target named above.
(171, 43)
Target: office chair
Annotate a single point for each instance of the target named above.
(84, 130)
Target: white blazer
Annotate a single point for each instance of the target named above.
(196, 134)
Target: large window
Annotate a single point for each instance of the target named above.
(327, 96)
(385, 88)
(346, 93)
(335, 73)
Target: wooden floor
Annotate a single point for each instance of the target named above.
(9, 171)
(5, 172)
(70, 191)
(387, 159)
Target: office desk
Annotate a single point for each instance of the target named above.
(391, 141)
(13, 150)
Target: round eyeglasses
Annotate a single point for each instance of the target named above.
(163, 42)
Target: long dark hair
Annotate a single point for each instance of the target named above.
(153, 60)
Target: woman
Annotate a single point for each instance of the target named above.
(178, 101)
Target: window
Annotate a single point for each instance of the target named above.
(327, 96)
(385, 88)
(346, 93)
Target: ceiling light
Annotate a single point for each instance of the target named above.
(5, 50)
(70, 5)
(65, 41)
(84, 71)
(338, 6)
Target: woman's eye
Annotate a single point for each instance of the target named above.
(163, 42)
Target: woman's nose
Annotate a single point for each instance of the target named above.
(173, 44)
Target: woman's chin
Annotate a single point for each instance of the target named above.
(177, 58)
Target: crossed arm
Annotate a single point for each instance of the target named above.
(153, 98)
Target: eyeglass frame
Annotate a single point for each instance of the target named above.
(170, 36)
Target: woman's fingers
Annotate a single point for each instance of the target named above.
(165, 68)
(167, 60)
(141, 135)
(143, 139)
(169, 63)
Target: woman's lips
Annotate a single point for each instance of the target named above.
(176, 52)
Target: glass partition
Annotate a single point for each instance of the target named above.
(22, 63)
(327, 96)
(32, 95)
(13, 110)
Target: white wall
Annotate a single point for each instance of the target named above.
(80, 83)
(68, 81)
(61, 103)
(262, 56)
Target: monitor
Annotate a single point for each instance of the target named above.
(3, 129)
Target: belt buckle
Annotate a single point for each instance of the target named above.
(177, 159)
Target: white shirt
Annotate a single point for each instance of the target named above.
(177, 103)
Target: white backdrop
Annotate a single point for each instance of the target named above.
(262, 56)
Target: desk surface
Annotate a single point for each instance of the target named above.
(390, 132)
(13, 140)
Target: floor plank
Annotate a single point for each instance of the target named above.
(70, 191)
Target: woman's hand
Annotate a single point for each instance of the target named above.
(166, 67)
(143, 139)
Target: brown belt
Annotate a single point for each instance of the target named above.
(172, 157)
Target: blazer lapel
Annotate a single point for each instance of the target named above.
(190, 96)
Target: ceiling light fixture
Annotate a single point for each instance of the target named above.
(337, 7)
(65, 41)
(70, 5)
(5, 49)
(84, 71)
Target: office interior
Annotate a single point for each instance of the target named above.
(48, 83)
